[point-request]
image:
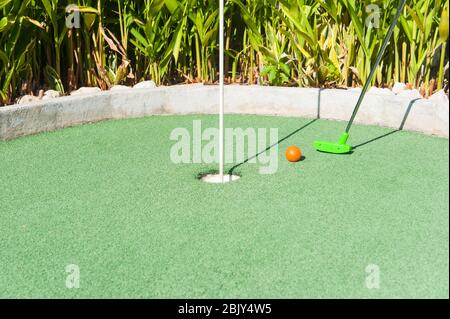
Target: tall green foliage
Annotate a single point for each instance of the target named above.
(334, 42)
(276, 42)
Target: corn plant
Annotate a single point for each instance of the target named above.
(318, 43)
(17, 43)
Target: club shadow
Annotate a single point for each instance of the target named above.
(402, 125)
(231, 171)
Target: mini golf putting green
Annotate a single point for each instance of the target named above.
(107, 198)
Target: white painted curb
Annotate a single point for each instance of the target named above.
(386, 110)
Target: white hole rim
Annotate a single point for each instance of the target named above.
(216, 178)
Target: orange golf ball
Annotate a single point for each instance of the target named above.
(293, 154)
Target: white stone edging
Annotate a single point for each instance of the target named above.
(387, 110)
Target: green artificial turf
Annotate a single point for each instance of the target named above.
(107, 198)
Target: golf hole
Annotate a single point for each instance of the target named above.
(216, 178)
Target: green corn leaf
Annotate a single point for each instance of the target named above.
(4, 3)
(172, 5)
(7, 81)
(443, 26)
(4, 58)
(177, 37)
(55, 79)
(139, 37)
(3, 24)
(356, 21)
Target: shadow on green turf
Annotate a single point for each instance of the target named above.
(231, 171)
(402, 125)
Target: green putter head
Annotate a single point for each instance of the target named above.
(334, 148)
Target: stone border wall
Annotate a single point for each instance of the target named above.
(383, 109)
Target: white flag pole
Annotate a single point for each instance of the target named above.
(221, 90)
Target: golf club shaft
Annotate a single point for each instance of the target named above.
(377, 62)
(221, 91)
